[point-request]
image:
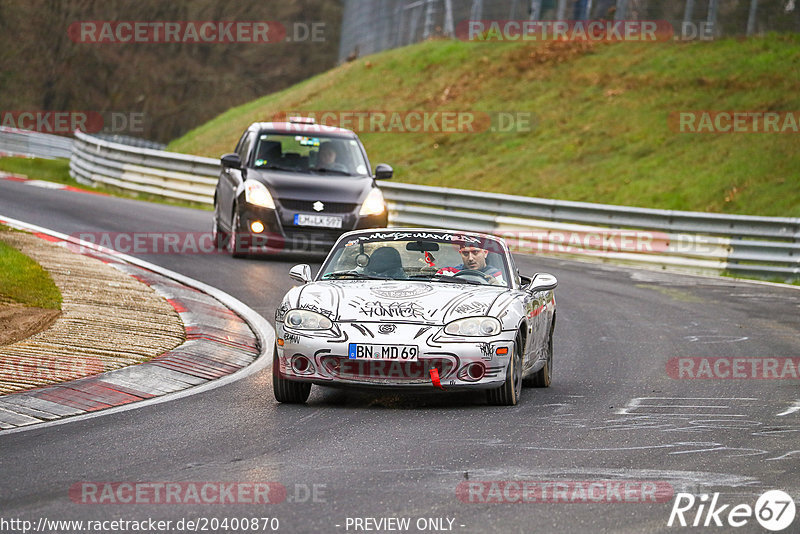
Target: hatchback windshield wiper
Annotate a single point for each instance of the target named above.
(336, 171)
(278, 168)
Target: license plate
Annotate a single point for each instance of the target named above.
(324, 221)
(367, 351)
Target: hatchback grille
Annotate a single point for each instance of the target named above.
(308, 206)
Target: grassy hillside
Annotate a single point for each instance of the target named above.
(602, 133)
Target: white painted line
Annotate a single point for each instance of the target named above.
(45, 185)
(690, 414)
(784, 456)
(681, 406)
(262, 329)
(793, 408)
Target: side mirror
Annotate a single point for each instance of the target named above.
(383, 171)
(301, 273)
(542, 282)
(231, 161)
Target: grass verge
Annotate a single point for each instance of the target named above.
(23, 281)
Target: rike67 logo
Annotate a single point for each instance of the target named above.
(774, 510)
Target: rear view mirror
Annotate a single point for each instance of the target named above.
(301, 273)
(383, 171)
(231, 161)
(422, 246)
(542, 282)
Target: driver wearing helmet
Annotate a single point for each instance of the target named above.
(474, 259)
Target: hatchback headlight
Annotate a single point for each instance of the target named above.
(474, 327)
(373, 204)
(306, 320)
(256, 193)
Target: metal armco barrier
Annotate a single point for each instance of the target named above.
(676, 240)
(15, 142)
(143, 170)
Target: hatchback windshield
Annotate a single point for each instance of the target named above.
(427, 256)
(313, 154)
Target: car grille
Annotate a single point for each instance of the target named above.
(419, 371)
(308, 206)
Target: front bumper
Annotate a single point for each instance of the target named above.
(280, 233)
(328, 363)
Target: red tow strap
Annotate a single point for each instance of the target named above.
(435, 379)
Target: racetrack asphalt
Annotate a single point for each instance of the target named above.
(613, 412)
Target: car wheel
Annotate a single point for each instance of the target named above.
(218, 236)
(287, 391)
(544, 376)
(236, 243)
(508, 393)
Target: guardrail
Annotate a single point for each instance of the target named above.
(143, 170)
(15, 142)
(676, 240)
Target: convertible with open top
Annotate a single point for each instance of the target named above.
(416, 308)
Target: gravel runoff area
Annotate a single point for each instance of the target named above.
(109, 320)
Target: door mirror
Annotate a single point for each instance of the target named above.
(542, 282)
(383, 171)
(301, 273)
(231, 161)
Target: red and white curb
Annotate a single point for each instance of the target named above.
(45, 184)
(225, 341)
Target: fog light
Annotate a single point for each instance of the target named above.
(257, 227)
(476, 371)
(302, 365)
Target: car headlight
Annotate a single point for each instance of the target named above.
(373, 204)
(306, 320)
(474, 327)
(256, 193)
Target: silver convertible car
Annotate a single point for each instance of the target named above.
(416, 308)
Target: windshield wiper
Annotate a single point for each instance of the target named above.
(278, 168)
(444, 278)
(352, 274)
(326, 170)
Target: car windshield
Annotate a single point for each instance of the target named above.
(311, 154)
(426, 256)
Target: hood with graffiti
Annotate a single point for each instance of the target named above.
(398, 301)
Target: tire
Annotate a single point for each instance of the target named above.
(236, 247)
(287, 391)
(508, 393)
(544, 376)
(218, 236)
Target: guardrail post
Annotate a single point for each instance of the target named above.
(562, 10)
(621, 11)
(751, 17)
(536, 10)
(713, 8)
